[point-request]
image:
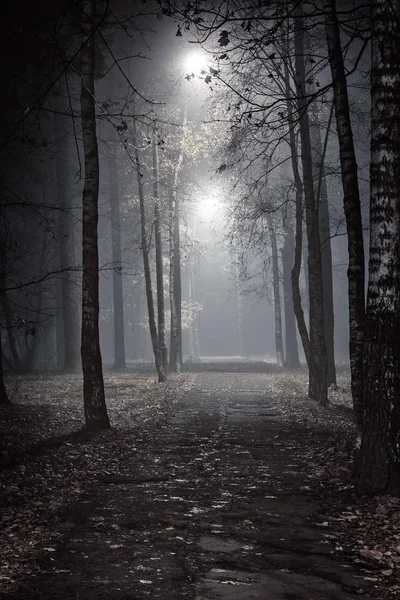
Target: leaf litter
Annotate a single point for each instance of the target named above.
(366, 529)
(47, 460)
(47, 463)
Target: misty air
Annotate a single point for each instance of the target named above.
(200, 300)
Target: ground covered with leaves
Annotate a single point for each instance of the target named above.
(365, 529)
(48, 462)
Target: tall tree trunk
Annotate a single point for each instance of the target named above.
(380, 425)
(352, 207)
(321, 198)
(174, 364)
(190, 336)
(178, 279)
(93, 385)
(277, 294)
(195, 322)
(318, 356)
(295, 276)
(136, 316)
(175, 283)
(191, 304)
(193, 329)
(58, 321)
(4, 399)
(159, 257)
(69, 302)
(118, 293)
(146, 265)
(292, 353)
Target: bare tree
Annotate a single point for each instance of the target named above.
(118, 295)
(93, 385)
(175, 283)
(352, 206)
(146, 262)
(318, 355)
(159, 255)
(277, 294)
(292, 360)
(69, 330)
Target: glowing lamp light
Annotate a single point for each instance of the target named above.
(194, 63)
(209, 206)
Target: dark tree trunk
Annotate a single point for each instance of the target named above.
(146, 265)
(175, 283)
(318, 355)
(4, 399)
(178, 279)
(58, 320)
(137, 314)
(321, 197)
(380, 423)
(174, 363)
(352, 207)
(118, 293)
(277, 295)
(93, 385)
(292, 353)
(17, 362)
(31, 339)
(69, 334)
(295, 276)
(159, 258)
(194, 350)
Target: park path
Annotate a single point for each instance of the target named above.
(211, 508)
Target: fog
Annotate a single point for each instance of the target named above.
(199, 299)
(224, 185)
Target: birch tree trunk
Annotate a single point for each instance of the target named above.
(146, 265)
(380, 417)
(93, 385)
(318, 355)
(117, 280)
(277, 295)
(352, 207)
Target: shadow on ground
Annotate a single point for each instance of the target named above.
(211, 506)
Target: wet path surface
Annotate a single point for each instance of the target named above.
(211, 508)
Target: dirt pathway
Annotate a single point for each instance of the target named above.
(212, 507)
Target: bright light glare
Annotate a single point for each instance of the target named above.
(195, 63)
(209, 206)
